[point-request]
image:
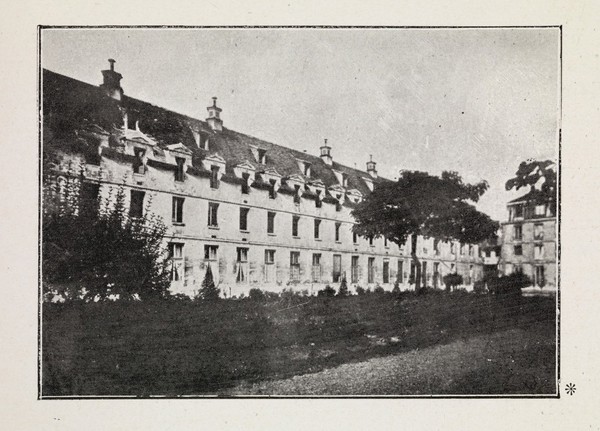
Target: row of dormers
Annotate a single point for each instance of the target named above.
(144, 148)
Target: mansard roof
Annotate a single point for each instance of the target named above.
(71, 106)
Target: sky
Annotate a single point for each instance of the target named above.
(475, 101)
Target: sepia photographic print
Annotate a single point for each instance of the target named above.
(299, 212)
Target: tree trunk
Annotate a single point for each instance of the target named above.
(417, 263)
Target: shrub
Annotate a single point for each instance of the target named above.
(509, 285)
(359, 290)
(343, 288)
(327, 292)
(452, 280)
(479, 286)
(396, 289)
(256, 294)
(378, 289)
(208, 291)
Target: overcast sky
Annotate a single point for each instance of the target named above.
(476, 101)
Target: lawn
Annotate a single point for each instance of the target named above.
(181, 348)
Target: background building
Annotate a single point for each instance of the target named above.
(529, 239)
(259, 214)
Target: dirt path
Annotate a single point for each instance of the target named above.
(513, 361)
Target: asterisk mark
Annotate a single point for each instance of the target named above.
(570, 388)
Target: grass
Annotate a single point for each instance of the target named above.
(176, 348)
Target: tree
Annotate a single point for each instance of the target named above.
(343, 291)
(540, 177)
(93, 250)
(427, 205)
(208, 290)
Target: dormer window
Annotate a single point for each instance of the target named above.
(272, 191)
(344, 180)
(307, 169)
(179, 173)
(318, 202)
(214, 177)
(139, 167)
(262, 156)
(131, 121)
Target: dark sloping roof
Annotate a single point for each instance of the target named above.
(70, 105)
(531, 196)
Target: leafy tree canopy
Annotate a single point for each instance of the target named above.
(537, 175)
(423, 204)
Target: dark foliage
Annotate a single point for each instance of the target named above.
(360, 290)
(328, 292)
(537, 175)
(378, 290)
(92, 249)
(452, 280)
(509, 285)
(208, 291)
(343, 291)
(427, 205)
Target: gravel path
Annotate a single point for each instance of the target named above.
(433, 370)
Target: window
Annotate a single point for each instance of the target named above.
(462, 249)
(242, 265)
(344, 180)
(306, 170)
(538, 251)
(138, 163)
(245, 183)
(518, 269)
(540, 279)
(270, 222)
(452, 268)
(317, 228)
(316, 267)
(272, 192)
(269, 257)
(436, 246)
(214, 177)
(179, 173)
(470, 250)
(354, 237)
(244, 218)
(538, 231)
(518, 211)
(371, 270)
(337, 268)
(296, 194)
(269, 269)
(337, 231)
(177, 210)
(518, 232)
(452, 248)
(400, 275)
(131, 120)
(518, 250)
(385, 242)
(262, 156)
(318, 202)
(295, 221)
(136, 208)
(176, 256)
(338, 206)
(540, 210)
(213, 209)
(354, 269)
(295, 265)
(210, 252)
(386, 271)
(371, 241)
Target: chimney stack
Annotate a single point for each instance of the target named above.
(214, 116)
(371, 167)
(112, 82)
(326, 153)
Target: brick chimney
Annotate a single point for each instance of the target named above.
(214, 116)
(371, 167)
(112, 82)
(326, 153)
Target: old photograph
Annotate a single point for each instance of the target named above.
(299, 211)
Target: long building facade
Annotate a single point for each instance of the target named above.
(529, 240)
(259, 214)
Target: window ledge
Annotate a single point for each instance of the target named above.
(242, 231)
(318, 239)
(296, 237)
(214, 227)
(338, 242)
(271, 234)
(178, 223)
